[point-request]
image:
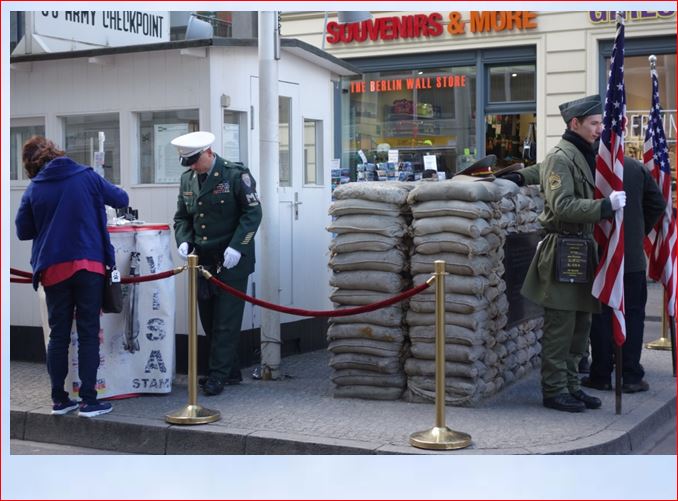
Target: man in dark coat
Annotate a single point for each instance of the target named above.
(217, 216)
(644, 206)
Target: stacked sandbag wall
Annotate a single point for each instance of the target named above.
(458, 222)
(464, 223)
(369, 262)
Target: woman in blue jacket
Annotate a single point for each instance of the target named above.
(63, 212)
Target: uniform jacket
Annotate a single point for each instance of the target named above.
(224, 212)
(567, 185)
(63, 211)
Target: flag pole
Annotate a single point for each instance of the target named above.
(672, 329)
(617, 378)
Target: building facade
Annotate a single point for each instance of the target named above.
(442, 88)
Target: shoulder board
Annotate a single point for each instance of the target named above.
(236, 165)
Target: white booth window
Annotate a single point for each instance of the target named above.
(20, 130)
(83, 141)
(313, 157)
(285, 138)
(158, 159)
(234, 136)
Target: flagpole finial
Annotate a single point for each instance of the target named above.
(653, 61)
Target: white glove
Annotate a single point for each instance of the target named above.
(231, 258)
(618, 199)
(183, 250)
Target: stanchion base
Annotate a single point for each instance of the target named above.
(663, 343)
(440, 438)
(193, 414)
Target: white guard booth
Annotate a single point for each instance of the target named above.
(136, 345)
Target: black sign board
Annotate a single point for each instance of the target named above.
(572, 256)
(519, 250)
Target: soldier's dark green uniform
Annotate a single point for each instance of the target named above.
(224, 211)
(567, 184)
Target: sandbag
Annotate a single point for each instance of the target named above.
(391, 316)
(384, 365)
(453, 352)
(357, 206)
(392, 260)
(435, 243)
(367, 378)
(460, 284)
(367, 347)
(458, 190)
(392, 192)
(352, 297)
(474, 321)
(473, 228)
(381, 225)
(355, 242)
(454, 334)
(367, 331)
(454, 303)
(416, 367)
(460, 208)
(379, 281)
(455, 264)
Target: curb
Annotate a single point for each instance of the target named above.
(155, 436)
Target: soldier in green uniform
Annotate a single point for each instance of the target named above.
(567, 183)
(218, 213)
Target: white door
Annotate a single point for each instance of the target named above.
(298, 220)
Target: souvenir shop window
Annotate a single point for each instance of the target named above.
(399, 123)
(158, 159)
(512, 83)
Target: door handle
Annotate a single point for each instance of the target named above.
(296, 205)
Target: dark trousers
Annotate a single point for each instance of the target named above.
(563, 344)
(602, 343)
(81, 296)
(221, 319)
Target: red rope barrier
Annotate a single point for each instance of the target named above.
(19, 273)
(318, 313)
(148, 278)
(28, 277)
(16, 280)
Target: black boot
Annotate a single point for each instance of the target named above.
(213, 386)
(584, 365)
(564, 402)
(589, 401)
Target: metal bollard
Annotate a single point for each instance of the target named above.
(440, 437)
(192, 413)
(663, 343)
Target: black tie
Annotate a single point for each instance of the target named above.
(201, 178)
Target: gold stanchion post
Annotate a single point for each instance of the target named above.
(192, 413)
(440, 437)
(663, 343)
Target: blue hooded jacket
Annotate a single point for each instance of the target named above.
(63, 212)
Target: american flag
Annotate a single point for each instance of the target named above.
(608, 284)
(661, 242)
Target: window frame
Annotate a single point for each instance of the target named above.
(319, 152)
(17, 122)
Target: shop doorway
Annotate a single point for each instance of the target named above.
(511, 137)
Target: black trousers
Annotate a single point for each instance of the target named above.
(602, 344)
